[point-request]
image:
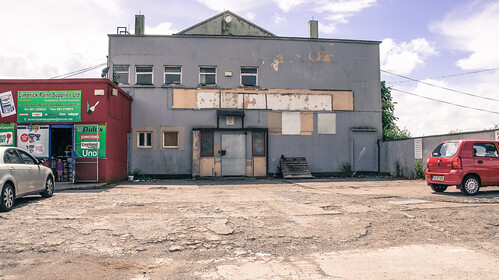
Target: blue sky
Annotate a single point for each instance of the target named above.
(421, 39)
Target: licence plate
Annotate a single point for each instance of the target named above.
(437, 178)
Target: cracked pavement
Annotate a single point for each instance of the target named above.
(253, 229)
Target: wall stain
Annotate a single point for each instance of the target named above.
(324, 57)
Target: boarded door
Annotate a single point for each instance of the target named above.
(365, 154)
(233, 154)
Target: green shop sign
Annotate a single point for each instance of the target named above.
(7, 135)
(90, 141)
(49, 106)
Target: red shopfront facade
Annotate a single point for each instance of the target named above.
(83, 123)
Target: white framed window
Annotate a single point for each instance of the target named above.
(144, 139)
(173, 75)
(249, 76)
(121, 74)
(170, 139)
(207, 75)
(144, 75)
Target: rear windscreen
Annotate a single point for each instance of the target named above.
(445, 149)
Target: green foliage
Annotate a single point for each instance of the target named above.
(346, 169)
(138, 175)
(390, 129)
(419, 170)
(399, 172)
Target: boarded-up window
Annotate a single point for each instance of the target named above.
(170, 139)
(291, 123)
(326, 123)
(207, 139)
(258, 141)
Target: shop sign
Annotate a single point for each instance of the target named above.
(7, 135)
(49, 106)
(90, 141)
(8, 108)
(34, 139)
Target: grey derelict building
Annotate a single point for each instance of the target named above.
(226, 97)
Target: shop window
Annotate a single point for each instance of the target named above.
(121, 74)
(207, 75)
(258, 142)
(143, 75)
(249, 76)
(173, 75)
(144, 139)
(170, 139)
(207, 139)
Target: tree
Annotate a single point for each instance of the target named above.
(390, 129)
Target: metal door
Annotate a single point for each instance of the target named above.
(233, 154)
(364, 151)
(86, 153)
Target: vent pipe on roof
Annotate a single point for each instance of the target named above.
(139, 24)
(313, 29)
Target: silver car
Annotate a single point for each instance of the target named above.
(22, 174)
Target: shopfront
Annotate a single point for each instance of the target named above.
(78, 126)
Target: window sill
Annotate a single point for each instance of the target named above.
(139, 147)
(173, 86)
(208, 86)
(249, 87)
(170, 147)
(143, 86)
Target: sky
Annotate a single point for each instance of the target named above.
(440, 57)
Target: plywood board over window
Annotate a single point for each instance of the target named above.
(307, 123)
(326, 123)
(274, 120)
(291, 123)
(172, 137)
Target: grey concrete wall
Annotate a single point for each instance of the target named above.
(290, 63)
(401, 152)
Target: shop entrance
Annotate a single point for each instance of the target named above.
(61, 147)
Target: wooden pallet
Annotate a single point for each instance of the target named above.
(294, 168)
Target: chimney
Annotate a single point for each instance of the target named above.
(139, 24)
(313, 29)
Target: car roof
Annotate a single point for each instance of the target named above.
(479, 141)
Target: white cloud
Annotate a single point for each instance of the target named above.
(474, 29)
(344, 6)
(287, 5)
(234, 6)
(403, 58)
(328, 28)
(250, 16)
(164, 28)
(278, 19)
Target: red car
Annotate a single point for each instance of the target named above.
(467, 164)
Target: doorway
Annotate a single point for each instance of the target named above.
(233, 154)
(61, 147)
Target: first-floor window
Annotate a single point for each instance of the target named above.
(170, 139)
(258, 140)
(144, 139)
(173, 75)
(121, 74)
(143, 75)
(249, 76)
(207, 139)
(207, 75)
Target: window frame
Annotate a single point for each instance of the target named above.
(145, 146)
(212, 143)
(253, 143)
(200, 74)
(241, 74)
(144, 73)
(115, 72)
(165, 72)
(170, 147)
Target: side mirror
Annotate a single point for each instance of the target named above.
(41, 161)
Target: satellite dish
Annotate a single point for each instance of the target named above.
(228, 19)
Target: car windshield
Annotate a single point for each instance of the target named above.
(445, 149)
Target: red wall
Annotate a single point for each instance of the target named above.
(112, 111)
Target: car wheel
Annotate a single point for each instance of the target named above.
(49, 188)
(438, 188)
(7, 198)
(470, 185)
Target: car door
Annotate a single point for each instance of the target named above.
(36, 176)
(15, 165)
(486, 158)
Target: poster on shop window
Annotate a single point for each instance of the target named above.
(90, 141)
(34, 139)
(8, 108)
(7, 135)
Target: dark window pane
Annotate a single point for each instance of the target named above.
(249, 70)
(207, 70)
(173, 69)
(148, 135)
(120, 68)
(209, 79)
(172, 79)
(141, 139)
(144, 69)
(248, 80)
(206, 143)
(144, 79)
(258, 143)
(27, 158)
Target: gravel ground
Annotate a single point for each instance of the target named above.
(253, 229)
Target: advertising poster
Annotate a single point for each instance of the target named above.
(7, 135)
(34, 139)
(90, 141)
(49, 106)
(8, 108)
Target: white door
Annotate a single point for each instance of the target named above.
(233, 154)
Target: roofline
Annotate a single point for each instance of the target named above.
(256, 38)
(222, 13)
(67, 81)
